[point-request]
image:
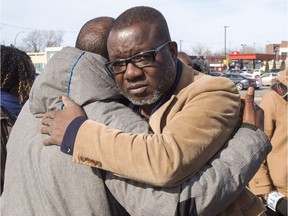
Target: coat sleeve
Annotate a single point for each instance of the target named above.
(189, 129)
(228, 173)
(223, 178)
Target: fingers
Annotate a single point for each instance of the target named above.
(48, 141)
(249, 97)
(49, 114)
(252, 113)
(67, 101)
(75, 109)
(249, 112)
(45, 130)
(247, 101)
(46, 121)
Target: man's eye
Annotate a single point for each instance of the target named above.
(118, 64)
(143, 57)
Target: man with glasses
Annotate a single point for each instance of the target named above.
(191, 115)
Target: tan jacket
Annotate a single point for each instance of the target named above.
(198, 119)
(188, 130)
(272, 175)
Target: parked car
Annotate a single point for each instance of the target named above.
(274, 70)
(214, 73)
(236, 71)
(241, 81)
(258, 79)
(267, 78)
(258, 72)
(247, 71)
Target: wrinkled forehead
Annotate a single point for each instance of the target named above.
(131, 40)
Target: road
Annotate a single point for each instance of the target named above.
(258, 93)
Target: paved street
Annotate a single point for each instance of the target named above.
(258, 93)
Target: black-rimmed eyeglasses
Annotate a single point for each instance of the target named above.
(139, 60)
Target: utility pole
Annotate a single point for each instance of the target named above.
(225, 40)
(180, 42)
(225, 27)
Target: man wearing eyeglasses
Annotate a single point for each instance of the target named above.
(191, 115)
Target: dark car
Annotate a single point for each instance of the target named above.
(214, 73)
(241, 81)
(274, 70)
(235, 71)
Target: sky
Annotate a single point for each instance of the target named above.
(192, 23)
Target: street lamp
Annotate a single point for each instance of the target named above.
(225, 40)
(225, 57)
(181, 45)
(17, 36)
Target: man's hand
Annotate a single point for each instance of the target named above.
(252, 113)
(56, 122)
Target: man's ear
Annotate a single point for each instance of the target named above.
(173, 49)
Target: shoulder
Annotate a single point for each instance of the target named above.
(270, 98)
(203, 82)
(195, 81)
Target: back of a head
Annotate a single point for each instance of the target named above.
(17, 72)
(93, 35)
(143, 14)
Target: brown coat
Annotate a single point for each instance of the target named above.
(188, 130)
(272, 175)
(198, 119)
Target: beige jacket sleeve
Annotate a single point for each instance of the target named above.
(189, 129)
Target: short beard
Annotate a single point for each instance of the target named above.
(156, 96)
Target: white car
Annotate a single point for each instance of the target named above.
(258, 72)
(267, 78)
(258, 79)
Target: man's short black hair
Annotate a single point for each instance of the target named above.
(143, 14)
(93, 35)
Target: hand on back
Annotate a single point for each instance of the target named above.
(56, 122)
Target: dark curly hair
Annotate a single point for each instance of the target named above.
(17, 72)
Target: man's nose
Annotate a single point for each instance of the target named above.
(132, 72)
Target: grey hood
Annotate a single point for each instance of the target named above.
(76, 73)
(82, 76)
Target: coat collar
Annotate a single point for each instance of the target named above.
(188, 76)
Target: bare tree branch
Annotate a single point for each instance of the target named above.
(37, 40)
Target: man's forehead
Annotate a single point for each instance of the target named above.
(125, 48)
(139, 32)
(123, 43)
(136, 27)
